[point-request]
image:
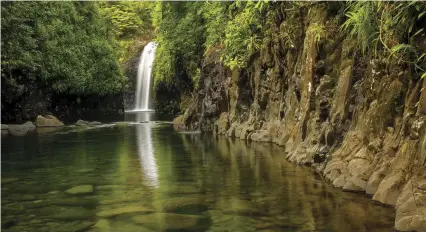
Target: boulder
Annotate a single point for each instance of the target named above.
(340, 181)
(29, 125)
(178, 122)
(355, 184)
(48, 121)
(410, 208)
(4, 127)
(81, 123)
(80, 190)
(20, 130)
(389, 189)
(375, 180)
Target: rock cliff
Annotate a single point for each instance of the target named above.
(360, 121)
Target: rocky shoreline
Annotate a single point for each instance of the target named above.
(360, 121)
(42, 123)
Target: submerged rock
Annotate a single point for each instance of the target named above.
(124, 210)
(74, 226)
(72, 214)
(102, 224)
(184, 205)
(242, 207)
(80, 190)
(48, 121)
(173, 222)
(77, 201)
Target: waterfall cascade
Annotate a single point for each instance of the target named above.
(142, 101)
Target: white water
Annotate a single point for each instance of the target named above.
(144, 78)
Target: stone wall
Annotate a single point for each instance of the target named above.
(359, 121)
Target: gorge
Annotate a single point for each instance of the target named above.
(213, 116)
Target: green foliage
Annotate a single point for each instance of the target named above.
(129, 19)
(362, 24)
(131, 26)
(188, 30)
(64, 45)
(395, 28)
(318, 31)
(243, 33)
(215, 18)
(180, 37)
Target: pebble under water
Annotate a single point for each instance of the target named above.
(148, 177)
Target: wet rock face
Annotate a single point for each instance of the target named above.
(361, 120)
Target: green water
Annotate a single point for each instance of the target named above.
(148, 177)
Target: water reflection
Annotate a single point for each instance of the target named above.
(254, 179)
(216, 183)
(146, 149)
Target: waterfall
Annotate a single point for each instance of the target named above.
(144, 77)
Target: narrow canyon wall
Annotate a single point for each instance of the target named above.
(359, 121)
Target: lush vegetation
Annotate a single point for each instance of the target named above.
(77, 49)
(84, 48)
(65, 45)
(131, 26)
(396, 30)
(238, 30)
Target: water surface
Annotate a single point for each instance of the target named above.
(148, 177)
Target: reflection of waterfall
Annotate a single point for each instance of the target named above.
(144, 77)
(146, 152)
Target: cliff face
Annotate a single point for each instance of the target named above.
(359, 121)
